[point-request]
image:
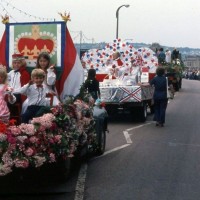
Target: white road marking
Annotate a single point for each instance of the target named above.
(135, 127)
(115, 149)
(80, 185)
(127, 137)
(111, 151)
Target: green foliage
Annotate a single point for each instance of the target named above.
(176, 66)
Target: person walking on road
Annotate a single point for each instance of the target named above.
(160, 96)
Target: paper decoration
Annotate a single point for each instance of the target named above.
(101, 59)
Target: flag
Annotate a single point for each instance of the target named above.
(3, 50)
(73, 73)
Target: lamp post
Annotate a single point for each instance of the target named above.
(117, 16)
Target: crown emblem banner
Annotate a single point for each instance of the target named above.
(30, 39)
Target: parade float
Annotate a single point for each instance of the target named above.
(69, 130)
(124, 72)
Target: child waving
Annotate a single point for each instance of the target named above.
(4, 90)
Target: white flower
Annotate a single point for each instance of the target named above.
(39, 160)
(5, 169)
(21, 138)
(3, 137)
(6, 158)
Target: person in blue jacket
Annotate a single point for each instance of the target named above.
(160, 96)
(161, 57)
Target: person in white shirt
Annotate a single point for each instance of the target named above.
(135, 71)
(44, 63)
(36, 92)
(83, 63)
(18, 76)
(168, 56)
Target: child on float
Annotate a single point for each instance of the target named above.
(36, 92)
(43, 62)
(18, 76)
(5, 90)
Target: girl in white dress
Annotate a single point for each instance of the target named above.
(43, 62)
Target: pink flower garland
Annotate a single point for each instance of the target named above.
(44, 140)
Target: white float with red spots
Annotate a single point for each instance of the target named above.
(124, 73)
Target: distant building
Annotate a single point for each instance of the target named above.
(192, 61)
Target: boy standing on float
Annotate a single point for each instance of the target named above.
(19, 76)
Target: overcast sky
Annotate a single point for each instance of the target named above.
(173, 23)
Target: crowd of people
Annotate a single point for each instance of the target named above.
(32, 91)
(192, 74)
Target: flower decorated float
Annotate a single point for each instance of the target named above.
(69, 129)
(47, 139)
